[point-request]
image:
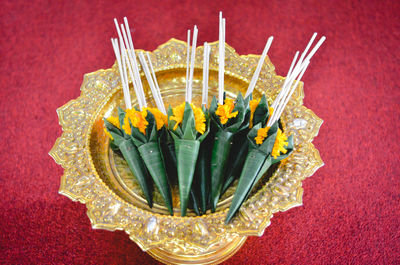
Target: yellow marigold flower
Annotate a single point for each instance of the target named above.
(225, 111)
(108, 134)
(114, 121)
(160, 117)
(261, 135)
(178, 114)
(253, 105)
(137, 119)
(199, 118)
(279, 145)
(126, 126)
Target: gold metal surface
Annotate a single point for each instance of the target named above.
(94, 175)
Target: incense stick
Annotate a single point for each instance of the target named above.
(187, 66)
(287, 89)
(304, 68)
(150, 81)
(289, 73)
(134, 61)
(206, 62)
(116, 49)
(192, 59)
(221, 65)
(157, 86)
(259, 66)
(125, 74)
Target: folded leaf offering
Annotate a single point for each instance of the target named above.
(266, 147)
(120, 140)
(188, 127)
(229, 119)
(142, 127)
(201, 181)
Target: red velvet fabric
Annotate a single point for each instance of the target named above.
(351, 206)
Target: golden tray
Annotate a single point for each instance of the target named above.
(97, 177)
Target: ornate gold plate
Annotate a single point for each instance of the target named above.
(94, 175)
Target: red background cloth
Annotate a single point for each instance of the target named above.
(351, 206)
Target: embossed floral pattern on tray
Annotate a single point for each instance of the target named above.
(189, 235)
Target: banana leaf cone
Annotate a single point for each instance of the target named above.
(138, 168)
(223, 141)
(201, 181)
(148, 145)
(122, 143)
(257, 162)
(270, 161)
(237, 156)
(241, 145)
(187, 145)
(151, 155)
(168, 151)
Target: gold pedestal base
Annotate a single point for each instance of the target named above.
(213, 257)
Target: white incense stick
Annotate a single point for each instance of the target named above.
(292, 88)
(283, 91)
(125, 74)
(259, 66)
(135, 87)
(221, 65)
(316, 47)
(206, 62)
(150, 81)
(287, 89)
(121, 72)
(192, 59)
(282, 107)
(157, 86)
(187, 66)
(134, 61)
(306, 49)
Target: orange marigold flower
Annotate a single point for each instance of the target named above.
(178, 114)
(261, 135)
(279, 145)
(161, 118)
(225, 111)
(199, 118)
(114, 121)
(137, 119)
(253, 105)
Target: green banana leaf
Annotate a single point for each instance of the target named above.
(186, 155)
(223, 142)
(150, 151)
(257, 163)
(169, 156)
(138, 168)
(152, 157)
(236, 160)
(261, 113)
(201, 181)
(220, 152)
(187, 144)
(122, 144)
(271, 160)
(254, 161)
